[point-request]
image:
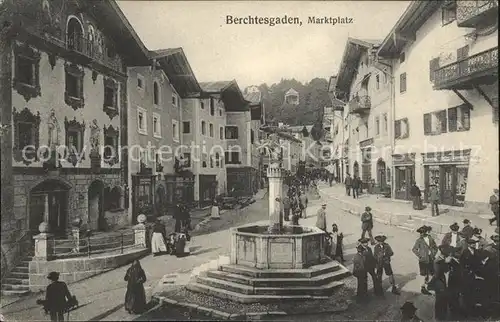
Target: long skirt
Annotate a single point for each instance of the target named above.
(158, 243)
(215, 212)
(135, 298)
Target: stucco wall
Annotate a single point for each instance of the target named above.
(242, 121)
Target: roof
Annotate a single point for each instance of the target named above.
(415, 15)
(214, 87)
(229, 92)
(282, 133)
(291, 91)
(175, 64)
(253, 97)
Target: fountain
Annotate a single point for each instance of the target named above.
(273, 262)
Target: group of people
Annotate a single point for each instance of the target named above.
(353, 184)
(295, 204)
(462, 271)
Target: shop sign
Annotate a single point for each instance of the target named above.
(447, 157)
(404, 159)
(366, 143)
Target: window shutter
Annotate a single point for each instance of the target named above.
(407, 124)
(402, 83)
(452, 119)
(442, 120)
(427, 124)
(397, 129)
(466, 117)
(433, 66)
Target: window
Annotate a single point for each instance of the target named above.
(402, 83)
(111, 148)
(212, 106)
(232, 157)
(74, 139)
(110, 105)
(156, 125)
(187, 159)
(74, 40)
(220, 112)
(140, 82)
(377, 82)
(221, 133)
(377, 125)
(401, 129)
(156, 93)
(203, 128)
(26, 133)
(231, 132)
(202, 104)
(217, 160)
(211, 161)
(402, 58)
(448, 14)
(435, 123)
(386, 123)
(211, 130)
(433, 66)
(186, 127)
(204, 160)
(252, 136)
(175, 100)
(73, 94)
(26, 77)
(142, 125)
(459, 118)
(26, 70)
(175, 130)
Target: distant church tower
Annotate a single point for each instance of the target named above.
(292, 97)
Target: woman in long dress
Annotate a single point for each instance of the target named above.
(158, 245)
(135, 298)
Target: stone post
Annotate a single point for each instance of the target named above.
(76, 238)
(275, 175)
(140, 232)
(43, 247)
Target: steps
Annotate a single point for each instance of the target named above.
(249, 285)
(17, 281)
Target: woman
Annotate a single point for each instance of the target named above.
(135, 298)
(158, 245)
(215, 212)
(337, 243)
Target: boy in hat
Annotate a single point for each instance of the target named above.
(425, 249)
(370, 265)
(359, 271)
(57, 297)
(408, 311)
(367, 224)
(453, 238)
(383, 253)
(467, 231)
(434, 200)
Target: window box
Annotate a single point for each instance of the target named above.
(75, 132)
(73, 95)
(26, 133)
(110, 105)
(27, 71)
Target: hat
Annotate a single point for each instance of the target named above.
(472, 240)
(428, 228)
(445, 249)
(466, 221)
(422, 230)
(454, 227)
(380, 238)
(494, 238)
(360, 248)
(408, 306)
(323, 205)
(368, 208)
(53, 276)
(477, 231)
(363, 240)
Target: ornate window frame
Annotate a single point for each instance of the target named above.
(79, 73)
(28, 53)
(75, 126)
(113, 133)
(27, 117)
(111, 111)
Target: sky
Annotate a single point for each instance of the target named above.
(256, 54)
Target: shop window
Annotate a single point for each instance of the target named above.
(212, 106)
(448, 13)
(231, 132)
(211, 130)
(111, 150)
(402, 83)
(110, 105)
(175, 130)
(74, 140)
(26, 133)
(221, 133)
(459, 118)
(401, 129)
(73, 95)
(203, 128)
(435, 123)
(142, 127)
(156, 125)
(186, 127)
(156, 93)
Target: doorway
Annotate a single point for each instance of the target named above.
(381, 174)
(404, 177)
(95, 206)
(48, 203)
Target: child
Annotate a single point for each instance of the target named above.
(171, 244)
(337, 243)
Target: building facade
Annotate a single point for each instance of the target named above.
(292, 97)
(444, 62)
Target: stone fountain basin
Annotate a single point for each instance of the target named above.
(297, 247)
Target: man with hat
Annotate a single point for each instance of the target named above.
(467, 231)
(476, 232)
(359, 271)
(321, 218)
(367, 224)
(471, 262)
(383, 253)
(370, 265)
(438, 282)
(434, 199)
(408, 311)
(425, 249)
(453, 238)
(491, 273)
(57, 296)
(494, 205)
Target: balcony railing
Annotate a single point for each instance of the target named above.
(360, 104)
(472, 13)
(478, 69)
(92, 50)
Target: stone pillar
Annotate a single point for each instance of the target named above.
(43, 247)
(76, 238)
(275, 175)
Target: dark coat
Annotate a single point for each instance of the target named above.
(366, 221)
(425, 253)
(383, 253)
(433, 194)
(438, 280)
(447, 239)
(348, 181)
(468, 231)
(494, 203)
(135, 297)
(415, 191)
(370, 261)
(56, 297)
(358, 268)
(356, 183)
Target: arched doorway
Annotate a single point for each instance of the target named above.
(381, 174)
(95, 206)
(356, 169)
(49, 203)
(74, 34)
(160, 200)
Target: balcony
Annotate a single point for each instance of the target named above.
(473, 13)
(360, 104)
(88, 49)
(477, 69)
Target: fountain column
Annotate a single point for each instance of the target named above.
(276, 175)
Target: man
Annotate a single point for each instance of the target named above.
(434, 200)
(370, 265)
(359, 271)
(178, 217)
(57, 297)
(425, 249)
(453, 239)
(491, 274)
(438, 282)
(286, 207)
(476, 232)
(416, 195)
(408, 311)
(348, 184)
(321, 218)
(367, 224)
(467, 231)
(494, 205)
(303, 201)
(355, 187)
(471, 262)
(383, 253)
